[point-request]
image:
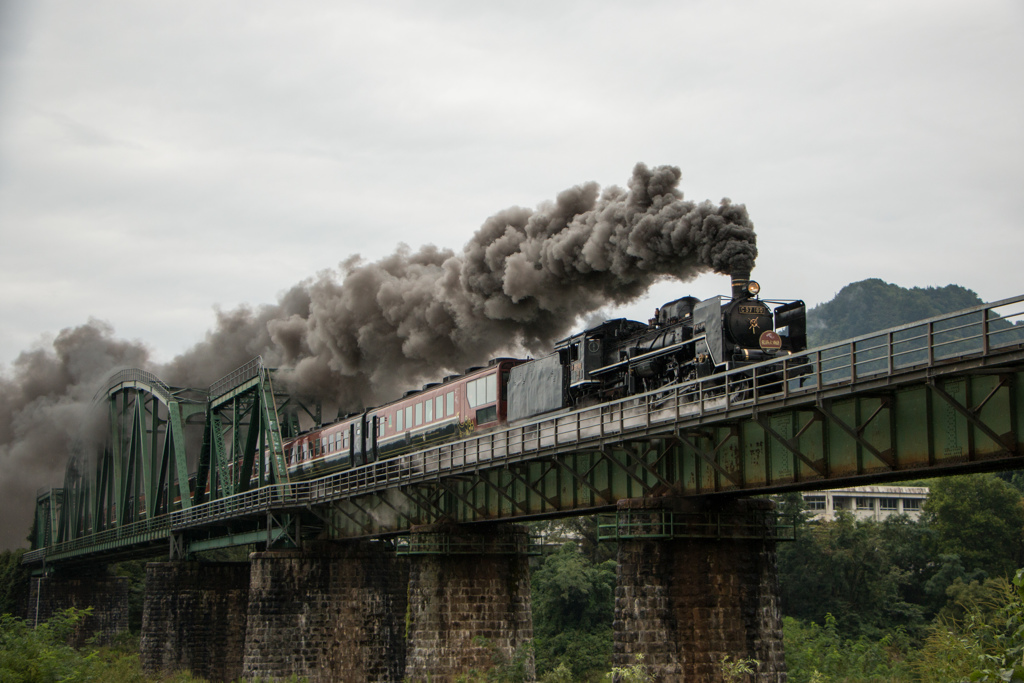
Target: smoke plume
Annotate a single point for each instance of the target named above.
(359, 336)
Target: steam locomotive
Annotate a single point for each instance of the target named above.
(686, 339)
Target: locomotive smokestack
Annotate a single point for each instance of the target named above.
(740, 278)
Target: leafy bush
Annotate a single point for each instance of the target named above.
(40, 654)
(637, 673)
(986, 643)
(504, 669)
(819, 653)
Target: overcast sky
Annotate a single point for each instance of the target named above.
(161, 159)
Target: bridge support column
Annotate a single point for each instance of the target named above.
(106, 594)
(469, 600)
(194, 617)
(331, 612)
(696, 584)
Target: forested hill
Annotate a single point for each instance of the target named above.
(871, 305)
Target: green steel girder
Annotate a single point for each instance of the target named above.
(960, 422)
(147, 470)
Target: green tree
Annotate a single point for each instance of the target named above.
(980, 518)
(135, 572)
(573, 605)
(862, 570)
(14, 583)
(871, 305)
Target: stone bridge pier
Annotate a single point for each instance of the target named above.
(698, 582)
(469, 600)
(82, 587)
(331, 612)
(194, 618)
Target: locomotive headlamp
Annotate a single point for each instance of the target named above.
(753, 288)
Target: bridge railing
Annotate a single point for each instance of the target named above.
(136, 375)
(126, 534)
(974, 332)
(244, 373)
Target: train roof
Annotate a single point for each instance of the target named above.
(607, 327)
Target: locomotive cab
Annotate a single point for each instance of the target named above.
(589, 352)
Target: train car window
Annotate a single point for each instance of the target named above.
(488, 414)
(419, 414)
(399, 417)
(408, 417)
(504, 386)
(428, 409)
(450, 403)
(439, 406)
(482, 391)
(574, 351)
(492, 389)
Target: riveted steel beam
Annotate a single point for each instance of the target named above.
(973, 415)
(857, 433)
(711, 458)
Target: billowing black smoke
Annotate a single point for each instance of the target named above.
(46, 403)
(360, 336)
(521, 282)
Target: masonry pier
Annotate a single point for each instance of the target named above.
(333, 611)
(696, 583)
(82, 587)
(469, 600)
(194, 618)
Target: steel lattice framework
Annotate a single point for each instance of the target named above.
(945, 395)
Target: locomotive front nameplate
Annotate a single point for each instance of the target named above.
(770, 340)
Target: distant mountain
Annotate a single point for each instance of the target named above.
(871, 305)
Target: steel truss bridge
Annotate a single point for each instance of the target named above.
(940, 396)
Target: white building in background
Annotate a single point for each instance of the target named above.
(867, 502)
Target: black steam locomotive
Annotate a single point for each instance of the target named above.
(687, 339)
